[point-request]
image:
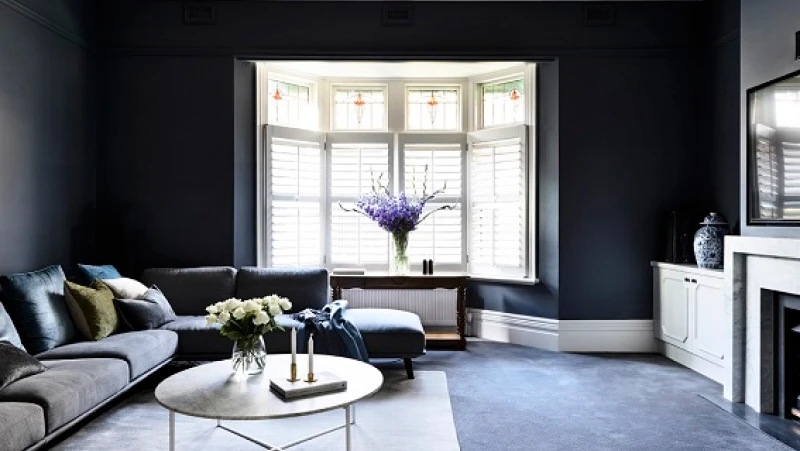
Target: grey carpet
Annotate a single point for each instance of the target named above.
(404, 415)
(508, 397)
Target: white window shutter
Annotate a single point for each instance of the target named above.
(441, 236)
(294, 197)
(354, 160)
(498, 216)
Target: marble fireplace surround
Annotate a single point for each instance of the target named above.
(755, 270)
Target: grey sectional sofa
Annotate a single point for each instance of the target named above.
(85, 376)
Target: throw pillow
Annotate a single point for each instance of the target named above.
(125, 288)
(35, 301)
(150, 311)
(17, 364)
(7, 330)
(91, 272)
(92, 309)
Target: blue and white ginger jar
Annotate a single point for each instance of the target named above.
(708, 242)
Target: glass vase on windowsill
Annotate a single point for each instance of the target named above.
(399, 265)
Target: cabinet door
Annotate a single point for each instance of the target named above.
(673, 308)
(708, 338)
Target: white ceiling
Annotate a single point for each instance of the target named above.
(398, 69)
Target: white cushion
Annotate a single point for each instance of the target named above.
(125, 288)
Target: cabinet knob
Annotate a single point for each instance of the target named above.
(686, 279)
(694, 280)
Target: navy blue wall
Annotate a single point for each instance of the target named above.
(47, 156)
(620, 136)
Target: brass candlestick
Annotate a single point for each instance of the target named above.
(310, 377)
(293, 373)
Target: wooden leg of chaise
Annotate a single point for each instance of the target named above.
(409, 368)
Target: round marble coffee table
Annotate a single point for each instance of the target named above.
(213, 391)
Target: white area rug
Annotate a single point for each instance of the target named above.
(404, 415)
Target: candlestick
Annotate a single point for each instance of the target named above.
(294, 346)
(293, 373)
(311, 359)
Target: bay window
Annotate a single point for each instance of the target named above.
(310, 179)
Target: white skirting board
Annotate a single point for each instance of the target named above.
(563, 335)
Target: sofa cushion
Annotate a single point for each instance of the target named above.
(21, 425)
(69, 388)
(92, 272)
(197, 339)
(126, 288)
(191, 290)
(389, 333)
(142, 350)
(35, 301)
(16, 364)
(305, 288)
(92, 309)
(7, 330)
(150, 311)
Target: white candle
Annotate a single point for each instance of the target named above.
(294, 345)
(311, 354)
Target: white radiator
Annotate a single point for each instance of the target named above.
(435, 307)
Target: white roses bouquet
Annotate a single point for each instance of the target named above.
(245, 322)
(244, 319)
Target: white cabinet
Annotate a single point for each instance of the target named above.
(688, 312)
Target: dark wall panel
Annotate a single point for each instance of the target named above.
(244, 143)
(630, 153)
(47, 158)
(166, 174)
(768, 49)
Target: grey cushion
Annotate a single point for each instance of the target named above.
(35, 301)
(21, 425)
(150, 311)
(7, 330)
(389, 333)
(196, 338)
(191, 290)
(305, 288)
(16, 364)
(69, 388)
(142, 350)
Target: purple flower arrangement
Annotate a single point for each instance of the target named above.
(398, 215)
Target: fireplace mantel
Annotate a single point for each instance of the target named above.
(755, 268)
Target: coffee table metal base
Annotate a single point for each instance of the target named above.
(349, 419)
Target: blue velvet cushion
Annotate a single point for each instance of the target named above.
(7, 330)
(91, 272)
(35, 301)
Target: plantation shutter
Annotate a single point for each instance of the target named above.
(790, 151)
(354, 160)
(441, 236)
(294, 192)
(498, 244)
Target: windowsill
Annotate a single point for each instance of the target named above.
(507, 280)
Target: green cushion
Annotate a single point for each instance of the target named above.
(92, 309)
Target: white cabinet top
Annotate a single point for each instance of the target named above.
(690, 269)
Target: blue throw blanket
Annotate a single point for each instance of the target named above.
(333, 334)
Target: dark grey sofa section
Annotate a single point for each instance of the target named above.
(387, 333)
(306, 288)
(21, 425)
(189, 291)
(69, 388)
(141, 350)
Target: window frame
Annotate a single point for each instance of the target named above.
(435, 86)
(460, 138)
(314, 105)
(333, 87)
(351, 137)
(500, 134)
(264, 254)
(521, 73)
